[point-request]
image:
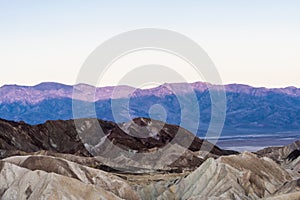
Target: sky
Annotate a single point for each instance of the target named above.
(250, 42)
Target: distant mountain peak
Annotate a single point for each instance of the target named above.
(51, 86)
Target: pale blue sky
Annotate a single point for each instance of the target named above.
(254, 42)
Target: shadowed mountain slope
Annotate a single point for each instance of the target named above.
(142, 135)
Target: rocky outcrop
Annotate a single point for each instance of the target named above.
(242, 176)
(142, 135)
(280, 154)
(38, 177)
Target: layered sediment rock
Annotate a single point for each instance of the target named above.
(51, 161)
(37, 177)
(279, 154)
(242, 176)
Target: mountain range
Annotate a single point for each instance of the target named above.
(249, 109)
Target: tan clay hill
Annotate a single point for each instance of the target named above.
(49, 162)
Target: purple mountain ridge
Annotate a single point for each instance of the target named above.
(48, 90)
(248, 109)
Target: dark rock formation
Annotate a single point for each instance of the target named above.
(84, 139)
(293, 155)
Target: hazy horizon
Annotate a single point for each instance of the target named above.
(32, 85)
